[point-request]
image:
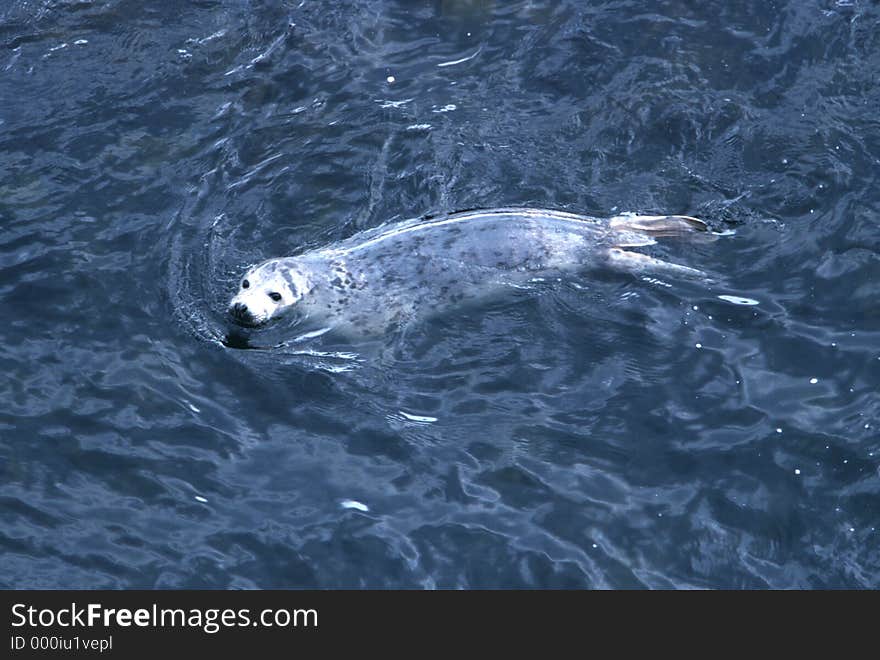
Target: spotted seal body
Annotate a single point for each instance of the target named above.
(375, 280)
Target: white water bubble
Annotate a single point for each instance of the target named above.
(387, 103)
(460, 60)
(813, 381)
(424, 419)
(738, 300)
(390, 79)
(354, 504)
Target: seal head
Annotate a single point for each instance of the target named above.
(266, 290)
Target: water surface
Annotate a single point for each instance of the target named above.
(616, 431)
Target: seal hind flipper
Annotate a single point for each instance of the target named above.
(658, 225)
(634, 262)
(628, 238)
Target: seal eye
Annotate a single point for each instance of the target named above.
(245, 284)
(275, 296)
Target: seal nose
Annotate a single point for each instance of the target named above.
(240, 312)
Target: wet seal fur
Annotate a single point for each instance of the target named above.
(378, 279)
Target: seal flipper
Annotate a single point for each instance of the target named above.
(641, 230)
(658, 225)
(634, 262)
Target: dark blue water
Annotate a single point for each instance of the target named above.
(618, 431)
